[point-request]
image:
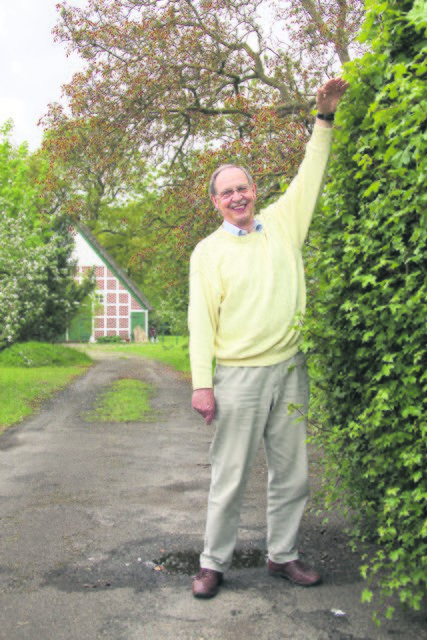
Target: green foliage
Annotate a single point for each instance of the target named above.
(38, 292)
(367, 330)
(170, 316)
(37, 354)
(140, 235)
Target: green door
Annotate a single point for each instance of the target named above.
(137, 319)
(81, 325)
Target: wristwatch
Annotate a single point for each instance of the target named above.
(326, 116)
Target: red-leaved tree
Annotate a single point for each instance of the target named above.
(185, 84)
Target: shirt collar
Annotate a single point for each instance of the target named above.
(236, 231)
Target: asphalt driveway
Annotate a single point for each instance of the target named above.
(102, 524)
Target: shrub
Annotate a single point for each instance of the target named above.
(109, 339)
(367, 329)
(37, 354)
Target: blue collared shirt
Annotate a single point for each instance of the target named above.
(236, 231)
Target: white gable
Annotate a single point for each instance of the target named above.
(83, 252)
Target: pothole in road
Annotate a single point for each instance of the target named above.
(130, 567)
(188, 562)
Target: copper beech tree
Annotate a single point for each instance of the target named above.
(185, 84)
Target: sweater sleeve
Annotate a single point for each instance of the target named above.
(296, 207)
(203, 315)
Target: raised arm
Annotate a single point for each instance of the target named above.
(327, 99)
(295, 208)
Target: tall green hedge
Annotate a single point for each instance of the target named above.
(367, 325)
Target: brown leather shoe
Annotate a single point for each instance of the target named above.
(296, 571)
(206, 583)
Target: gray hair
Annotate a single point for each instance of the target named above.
(215, 174)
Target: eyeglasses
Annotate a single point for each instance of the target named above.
(241, 190)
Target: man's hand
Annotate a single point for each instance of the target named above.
(204, 403)
(329, 94)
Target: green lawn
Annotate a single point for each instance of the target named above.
(33, 372)
(171, 350)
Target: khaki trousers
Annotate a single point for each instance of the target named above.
(254, 404)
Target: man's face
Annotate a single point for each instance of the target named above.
(235, 198)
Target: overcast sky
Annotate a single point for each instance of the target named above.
(32, 67)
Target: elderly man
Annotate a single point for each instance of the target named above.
(247, 291)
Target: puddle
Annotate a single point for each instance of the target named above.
(188, 563)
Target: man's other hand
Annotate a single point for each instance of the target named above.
(204, 403)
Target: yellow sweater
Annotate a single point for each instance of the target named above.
(246, 292)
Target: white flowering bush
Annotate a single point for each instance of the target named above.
(38, 292)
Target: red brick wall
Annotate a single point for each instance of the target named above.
(112, 314)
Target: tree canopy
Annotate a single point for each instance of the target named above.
(173, 88)
(166, 78)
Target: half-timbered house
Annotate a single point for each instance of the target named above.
(117, 306)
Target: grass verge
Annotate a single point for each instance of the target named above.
(40, 354)
(22, 390)
(126, 400)
(31, 372)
